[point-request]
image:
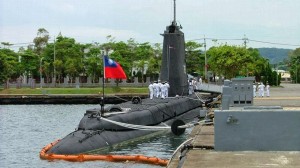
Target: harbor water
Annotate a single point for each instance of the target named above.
(26, 129)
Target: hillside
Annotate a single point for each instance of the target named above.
(275, 55)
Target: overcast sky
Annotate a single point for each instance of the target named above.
(88, 21)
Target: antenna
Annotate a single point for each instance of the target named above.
(174, 21)
(245, 40)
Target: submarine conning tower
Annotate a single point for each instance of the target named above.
(173, 67)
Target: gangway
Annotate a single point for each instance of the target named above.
(208, 87)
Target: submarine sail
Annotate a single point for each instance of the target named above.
(173, 67)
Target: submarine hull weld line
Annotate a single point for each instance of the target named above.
(111, 158)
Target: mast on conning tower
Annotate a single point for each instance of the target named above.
(174, 21)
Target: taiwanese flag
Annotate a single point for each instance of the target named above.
(113, 69)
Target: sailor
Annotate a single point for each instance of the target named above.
(268, 90)
(154, 88)
(157, 89)
(190, 87)
(254, 89)
(163, 89)
(200, 80)
(167, 87)
(194, 83)
(159, 85)
(151, 89)
(261, 89)
(199, 84)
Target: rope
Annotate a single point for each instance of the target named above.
(178, 148)
(138, 127)
(189, 125)
(197, 96)
(192, 98)
(154, 128)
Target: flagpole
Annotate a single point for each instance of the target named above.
(103, 83)
(169, 57)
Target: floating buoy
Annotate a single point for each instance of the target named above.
(110, 158)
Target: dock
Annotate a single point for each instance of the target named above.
(200, 152)
(66, 98)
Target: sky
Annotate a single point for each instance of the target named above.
(265, 23)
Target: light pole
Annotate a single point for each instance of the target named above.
(54, 71)
(296, 71)
(41, 85)
(277, 75)
(205, 59)
(245, 44)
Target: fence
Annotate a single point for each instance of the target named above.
(31, 83)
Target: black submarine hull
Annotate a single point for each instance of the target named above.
(95, 135)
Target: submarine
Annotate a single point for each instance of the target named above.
(111, 125)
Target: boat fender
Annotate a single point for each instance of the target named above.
(136, 100)
(174, 127)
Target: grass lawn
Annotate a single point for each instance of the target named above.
(108, 90)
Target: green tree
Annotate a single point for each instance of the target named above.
(140, 65)
(144, 52)
(11, 66)
(93, 62)
(46, 70)
(73, 68)
(4, 68)
(41, 40)
(279, 79)
(228, 61)
(257, 65)
(194, 59)
(294, 61)
(154, 62)
(66, 52)
(121, 53)
(30, 63)
(268, 75)
(132, 45)
(59, 69)
(7, 64)
(48, 61)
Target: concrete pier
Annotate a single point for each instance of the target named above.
(66, 98)
(201, 153)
